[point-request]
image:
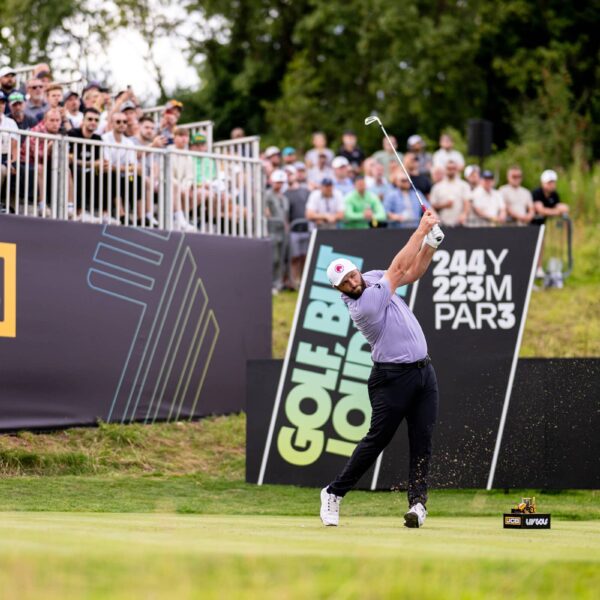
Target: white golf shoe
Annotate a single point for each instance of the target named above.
(416, 515)
(330, 508)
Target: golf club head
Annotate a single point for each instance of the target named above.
(372, 119)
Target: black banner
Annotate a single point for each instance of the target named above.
(124, 324)
(550, 440)
(471, 305)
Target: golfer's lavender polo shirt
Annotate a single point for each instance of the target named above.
(386, 321)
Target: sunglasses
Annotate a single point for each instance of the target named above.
(35, 87)
(120, 122)
(92, 119)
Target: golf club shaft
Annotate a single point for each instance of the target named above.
(437, 232)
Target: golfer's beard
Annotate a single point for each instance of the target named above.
(357, 293)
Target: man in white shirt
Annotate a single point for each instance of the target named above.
(488, 204)
(447, 152)
(325, 207)
(125, 184)
(451, 197)
(72, 112)
(518, 200)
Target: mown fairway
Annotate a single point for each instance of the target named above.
(65, 555)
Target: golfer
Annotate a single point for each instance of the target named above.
(402, 384)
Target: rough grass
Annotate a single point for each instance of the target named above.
(214, 445)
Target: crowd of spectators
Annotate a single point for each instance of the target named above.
(346, 189)
(42, 105)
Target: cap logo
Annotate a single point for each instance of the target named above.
(339, 268)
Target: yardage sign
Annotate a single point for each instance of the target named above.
(471, 306)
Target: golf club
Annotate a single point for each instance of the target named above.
(437, 232)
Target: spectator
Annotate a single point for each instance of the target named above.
(183, 174)
(447, 152)
(129, 109)
(8, 141)
(8, 83)
(487, 203)
(277, 211)
(416, 145)
(86, 160)
(350, 150)
(289, 155)
(147, 136)
(301, 180)
(451, 197)
(36, 106)
(72, 112)
(341, 179)
(420, 180)
(207, 174)
(297, 198)
(321, 170)
(401, 203)
(437, 174)
(42, 149)
(271, 162)
(546, 200)
(518, 200)
(386, 156)
(16, 101)
(237, 133)
(377, 183)
(363, 208)
(92, 97)
(125, 184)
(319, 141)
(54, 95)
(169, 120)
(325, 206)
(472, 176)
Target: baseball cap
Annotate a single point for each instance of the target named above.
(70, 94)
(16, 97)
(300, 166)
(3, 96)
(414, 139)
(470, 169)
(338, 269)
(339, 161)
(288, 150)
(290, 169)
(278, 176)
(548, 175)
(128, 105)
(174, 104)
(272, 151)
(4, 71)
(198, 138)
(326, 181)
(487, 174)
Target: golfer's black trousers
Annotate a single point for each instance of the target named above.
(396, 393)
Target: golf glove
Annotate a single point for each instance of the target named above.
(435, 237)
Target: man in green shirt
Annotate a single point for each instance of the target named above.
(206, 168)
(363, 208)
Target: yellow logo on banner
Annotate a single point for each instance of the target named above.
(8, 325)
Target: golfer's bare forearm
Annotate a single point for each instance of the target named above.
(419, 266)
(404, 260)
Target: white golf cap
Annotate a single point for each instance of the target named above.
(339, 161)
(338, 269)
(290, 169)
(6, 71)
(414, 139)
(279, 176)
(272, 151)
(548, 175)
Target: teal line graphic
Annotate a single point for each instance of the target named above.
(126, 266)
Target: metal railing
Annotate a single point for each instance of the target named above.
(61, 177)
(248, 146)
